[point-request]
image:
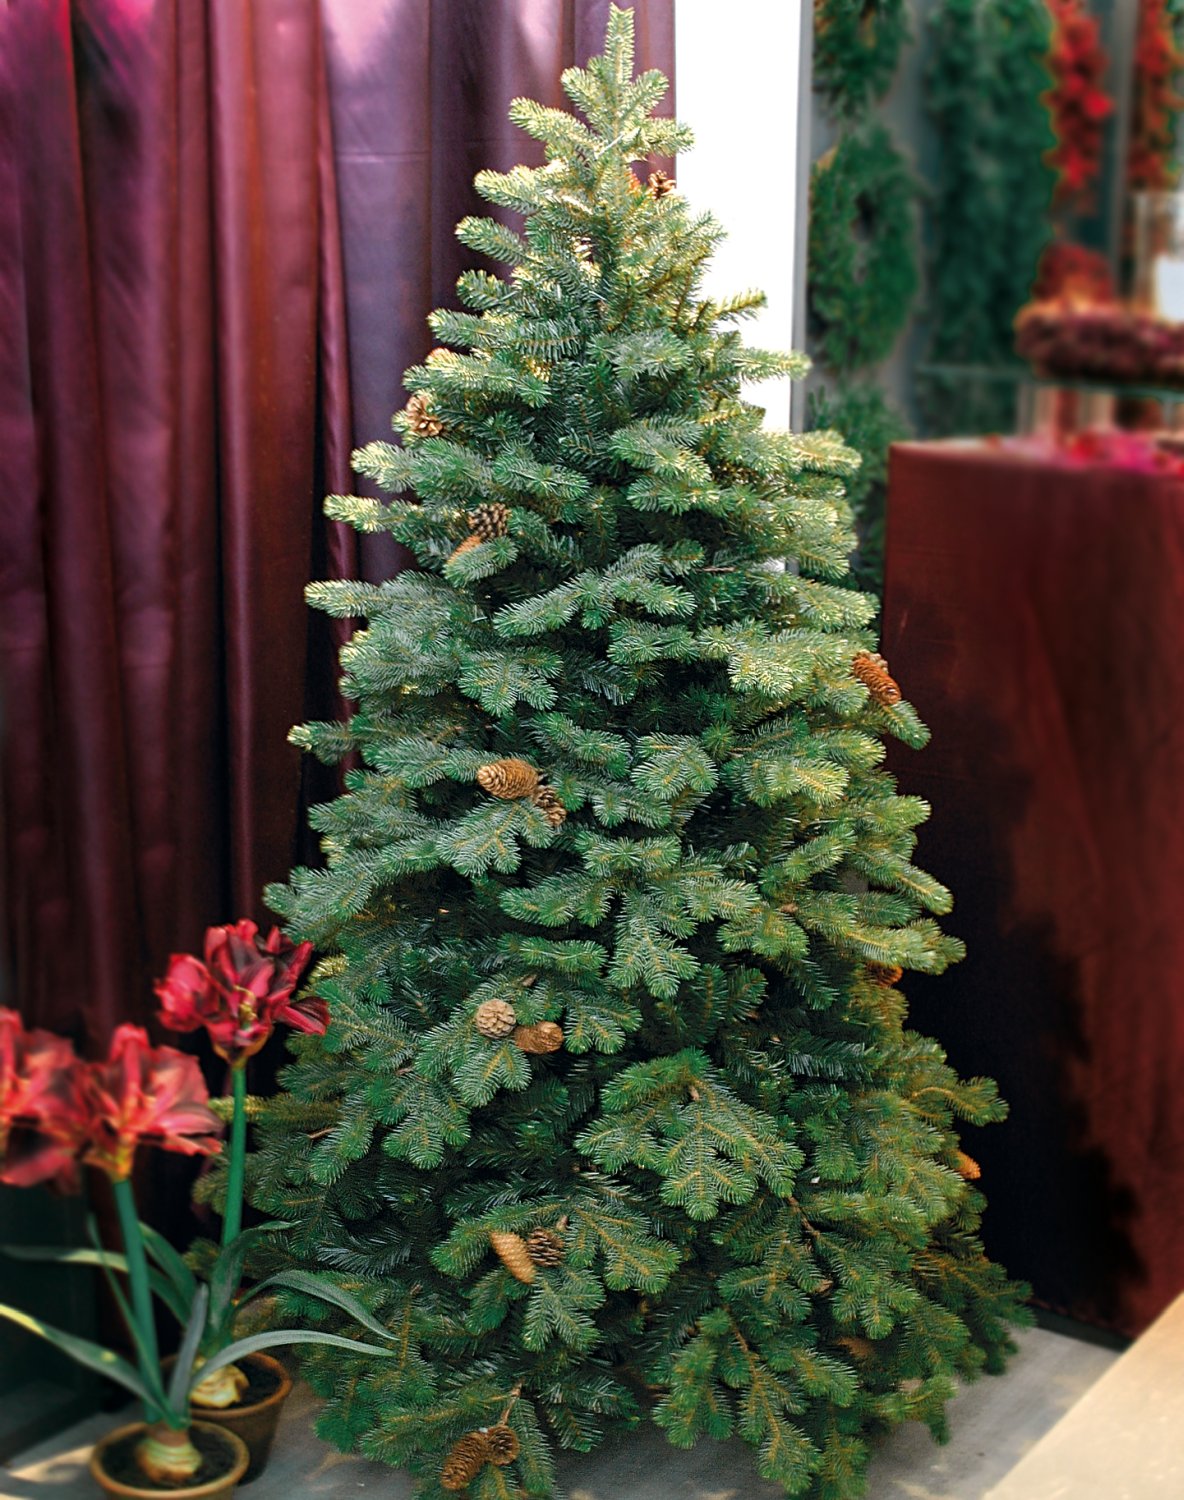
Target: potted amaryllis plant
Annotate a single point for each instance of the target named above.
(58, 1113)
(242, 987)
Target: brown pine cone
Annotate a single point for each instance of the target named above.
(545, 1247)
(491, 520)
(495, 1019)
(544, 1036)
(885, 975)
(512, 1252)
(857, 1347)
(502, 1442)
(508, 778)
(467, 545)
(968, 1167)
(872, 670)
(548, 803)
(423, 422)
(466, 1458)
(661, 184)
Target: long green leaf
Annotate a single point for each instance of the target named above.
(257, 1341)
(60, 1255)
(147, 1356)
(312, 1286)
(228, 1268)
(82, 1351)
(179, 1385)
(171, 1263)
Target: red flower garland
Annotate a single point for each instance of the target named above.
(1157, 61)
(1077, 101)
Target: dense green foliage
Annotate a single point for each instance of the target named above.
(750, 1163)
(870, 425)
(862, 273)
(857, 46)
(987, 216)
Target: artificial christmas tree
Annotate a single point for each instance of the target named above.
(720, 1171)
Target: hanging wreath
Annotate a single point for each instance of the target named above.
(857, 45)
(1077, 102)
(862, 260)
(1153, 119)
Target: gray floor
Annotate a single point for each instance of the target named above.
(994, 1423)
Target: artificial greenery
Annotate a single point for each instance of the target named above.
(862, 272)
(870, 425)
(857, 45)
(986, 218)
(617, 788)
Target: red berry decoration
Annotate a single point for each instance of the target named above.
(1157, 62)
(1077, 102)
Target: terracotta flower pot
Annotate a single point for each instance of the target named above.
(228, 1453)
(256, 1421)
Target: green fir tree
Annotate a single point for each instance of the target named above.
(618, 1111)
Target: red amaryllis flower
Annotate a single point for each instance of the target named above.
(42, 1117)
(244, 987)
(154, 1096)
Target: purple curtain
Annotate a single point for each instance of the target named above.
(173, 402)
(175, 377)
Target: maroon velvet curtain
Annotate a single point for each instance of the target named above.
(174, 400)
(173, 403)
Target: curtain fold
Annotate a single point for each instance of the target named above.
(173, 402)
(222, 226)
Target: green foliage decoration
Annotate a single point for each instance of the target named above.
(870, 425)
(987, 216)
(862, 272)
(749, 1163)
(857, 45)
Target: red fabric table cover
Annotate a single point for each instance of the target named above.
(1033, 614)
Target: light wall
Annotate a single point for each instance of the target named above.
(737, 72)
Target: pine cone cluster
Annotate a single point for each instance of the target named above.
(508, 778)
(471, 541)
(872, 670)
(545, 1247)
(466, 1458)
(885, 975)
(512, 1251)
(548, 803)
(423, 422)
(542, 1037)
(661, 184)
(490, 521)
(495, 1019)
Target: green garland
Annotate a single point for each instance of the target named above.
(869, 425)
(862, 263)
(987, 215)
(857, 44)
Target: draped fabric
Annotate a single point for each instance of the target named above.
(1032, 615)
(181, 316)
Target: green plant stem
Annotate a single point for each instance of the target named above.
(232, 1219)
(137, 1272)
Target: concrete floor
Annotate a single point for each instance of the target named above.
(994, 1423)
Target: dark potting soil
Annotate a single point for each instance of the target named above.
(264, 1382)
(217, 1459)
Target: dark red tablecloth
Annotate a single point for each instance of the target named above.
(1034, 614)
